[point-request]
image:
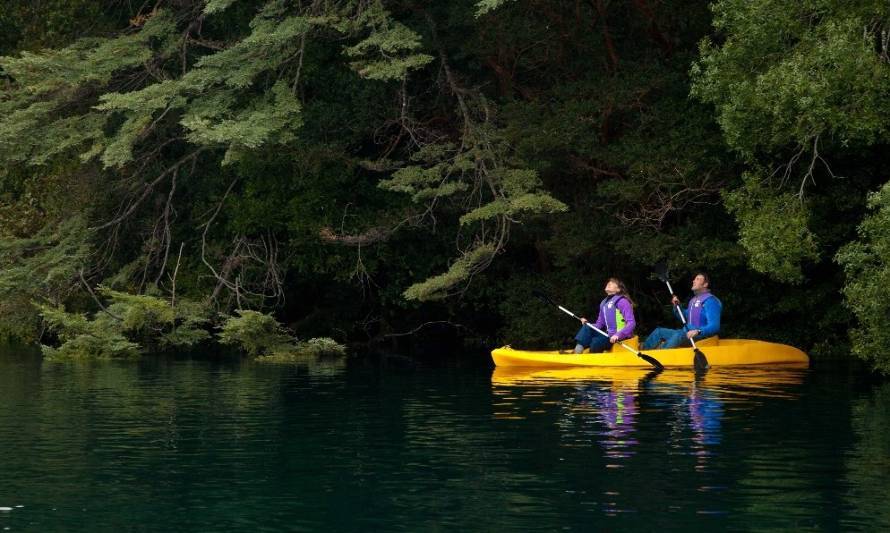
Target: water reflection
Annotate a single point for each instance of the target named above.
(766, 380)
(606, 404)
(613, 409)
(184, 445)
(867, 463)
(616, 411)
(83, 437)
(698, 410)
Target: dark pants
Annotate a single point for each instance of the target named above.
(673, 338)
(593, 340)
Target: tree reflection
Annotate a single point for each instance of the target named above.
(868, 463)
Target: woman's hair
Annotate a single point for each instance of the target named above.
(622, 290)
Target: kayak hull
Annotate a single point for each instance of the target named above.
(722, 352)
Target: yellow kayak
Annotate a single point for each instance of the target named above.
(720, 352)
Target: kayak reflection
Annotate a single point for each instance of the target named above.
(751, 381)
(609, 402)
(700, 411)
(616, 411)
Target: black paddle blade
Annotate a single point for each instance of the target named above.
(541, 295)
(699, 361)
(651, 360)
(660, 269)
(652, 374)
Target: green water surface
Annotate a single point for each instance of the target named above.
(195, 444)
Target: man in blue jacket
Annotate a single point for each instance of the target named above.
(702, 318)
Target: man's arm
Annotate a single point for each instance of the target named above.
(712, 310)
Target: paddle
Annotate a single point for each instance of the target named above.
(649, 359)
(699, 361)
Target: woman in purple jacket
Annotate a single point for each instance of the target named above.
(616, 317)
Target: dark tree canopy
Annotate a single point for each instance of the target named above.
(365, 167)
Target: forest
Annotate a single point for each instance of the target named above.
(402, 174)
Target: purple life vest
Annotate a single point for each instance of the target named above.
(609, 308)
(696, 305)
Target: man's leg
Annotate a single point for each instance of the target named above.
(676, 338)
(656, 337)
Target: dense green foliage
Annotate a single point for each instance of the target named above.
(366, 168)
(261, 336)
(801, 91)
(125, 327)
(867, 265)
(256, 333)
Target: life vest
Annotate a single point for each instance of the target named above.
(615, 321)
(696, 306)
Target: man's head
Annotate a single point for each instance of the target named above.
(701, 282)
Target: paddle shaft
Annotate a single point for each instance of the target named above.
(680, 312)
(648, 358)
(699, 361)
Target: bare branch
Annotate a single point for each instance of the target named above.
(148, 188)
(167, 237)
(96, 299)
(425, 324)
(173, 278)
(371, 236)
(206, 227)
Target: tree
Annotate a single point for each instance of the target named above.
(800, 92)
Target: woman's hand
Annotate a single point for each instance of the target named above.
(583, 320)
(613, 339)
(692, 333)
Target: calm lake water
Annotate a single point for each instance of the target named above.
(197, 445)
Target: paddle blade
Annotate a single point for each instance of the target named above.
(652, 374)
(660, 269)
(541, 295)
(651, 360)
(699, 361)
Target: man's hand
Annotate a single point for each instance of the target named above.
(692, 333)
(675, 300)
(583, 320)
(613, 339)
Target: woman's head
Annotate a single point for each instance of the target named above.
(615, 286)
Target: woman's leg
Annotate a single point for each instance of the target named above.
(600, 344)
(584, 336)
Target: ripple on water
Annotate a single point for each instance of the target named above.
(201, 446)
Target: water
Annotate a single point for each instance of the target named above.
(197, 445)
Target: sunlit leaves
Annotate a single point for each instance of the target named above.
(486, 6)
(125, 326)
(390, 51)
(790, 71)
(440, 286)
(505, 193)
(217, 6)
(866, 263)
(772, 229)
(272, 119)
